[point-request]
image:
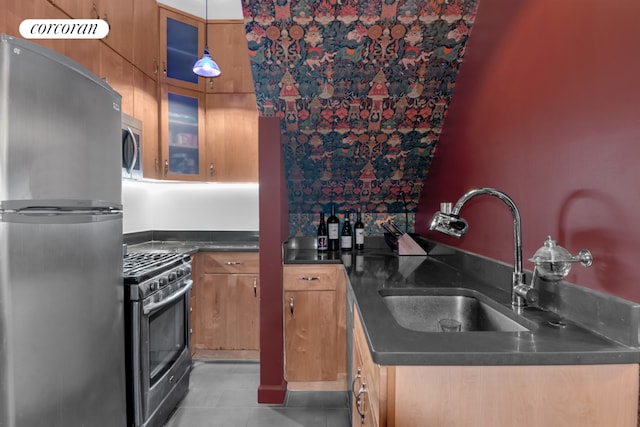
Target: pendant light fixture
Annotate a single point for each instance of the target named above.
(205, 66)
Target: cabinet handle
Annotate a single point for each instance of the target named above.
(308, 278)
(164, 69)
(155, 67)
(359, 401)
(166, 167)
(211, 169)
(353, 383)
(255, 286)
(291, 305)
(94, 9)
(232, 263)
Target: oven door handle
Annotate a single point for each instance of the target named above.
(158, 305)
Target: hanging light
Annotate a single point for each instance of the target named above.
(205, 66)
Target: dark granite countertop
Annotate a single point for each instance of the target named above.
(191, 247)
(190, 242)
(608, 336)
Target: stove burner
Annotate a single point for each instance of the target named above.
(140, 266)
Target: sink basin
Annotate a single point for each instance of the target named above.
(422, 309)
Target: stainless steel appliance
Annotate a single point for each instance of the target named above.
(61, 293)
(158, 288)
(131, 147)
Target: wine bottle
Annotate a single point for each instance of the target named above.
(333, 224)
(322, 235)
(359, 232)
(346, 237)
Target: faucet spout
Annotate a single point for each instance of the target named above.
(451, 224)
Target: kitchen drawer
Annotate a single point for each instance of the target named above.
(305, 278)
(229, 262)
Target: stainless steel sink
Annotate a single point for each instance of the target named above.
(422, 309)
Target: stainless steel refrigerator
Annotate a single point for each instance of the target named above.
(62, 359)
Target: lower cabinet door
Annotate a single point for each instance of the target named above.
(310, 328)
(228, 312)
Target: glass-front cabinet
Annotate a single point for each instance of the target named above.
(181, 43)
(183, 139)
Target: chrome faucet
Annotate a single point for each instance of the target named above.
(448, 221)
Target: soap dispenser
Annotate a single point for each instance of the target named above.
(553, 262)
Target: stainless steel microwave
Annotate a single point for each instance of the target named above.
(131, 147)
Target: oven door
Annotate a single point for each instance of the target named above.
(162, 356)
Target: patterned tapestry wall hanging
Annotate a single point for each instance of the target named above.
(362, 89)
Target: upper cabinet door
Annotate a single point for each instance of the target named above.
(228, 47)
(181, 45)
(145, 37)
(119, 16)
(183, 153)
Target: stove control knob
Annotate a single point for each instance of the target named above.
(153, 286)
(172, 276)
(163, 281)
(187, 269)
(180, 272)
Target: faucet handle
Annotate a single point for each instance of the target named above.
(524, 295)
(445, 207)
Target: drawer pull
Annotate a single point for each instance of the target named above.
(353, 383)
(360, 401)
(232, 263)
(309, 278)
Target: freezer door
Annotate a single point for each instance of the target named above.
(62, 357)
(59, 128)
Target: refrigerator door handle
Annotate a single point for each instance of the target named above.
(58, 217)
(58, 205)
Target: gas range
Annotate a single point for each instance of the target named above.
(146, 273)
(157, 303)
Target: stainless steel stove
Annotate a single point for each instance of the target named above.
(157, 286)
(147, 272)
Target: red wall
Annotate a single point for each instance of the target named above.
(274, 229)
(547, 109)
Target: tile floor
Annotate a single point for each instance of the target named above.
(225, 394)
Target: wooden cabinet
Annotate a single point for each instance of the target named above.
(78, 9)
(118, 72)
(181, 45)
(370, 386)
(228, 47)
(117, 13)
(145, 37)
(208, 139)
(460, 396)
(227, 304)
(183, 154)
(145, 108)
(315, 327)
(232, 137)
(220, 141)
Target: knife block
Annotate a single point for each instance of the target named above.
(408, 246)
